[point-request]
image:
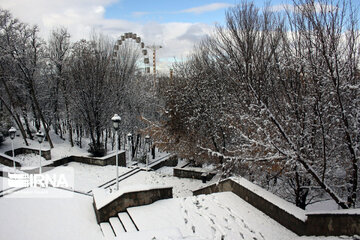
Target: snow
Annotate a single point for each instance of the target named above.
(195, 169)
(210, 217)
(116, 224)
(182, 187)
(326, 205)
(62, 147)
(162, 234)
(281, 203)
(128, 224)
(87, 177)
(107, 231)
(213, 217)
(353, 211)
(48, 217)
(30, 161)
(165, 171)
(196, 217)
(4, 183)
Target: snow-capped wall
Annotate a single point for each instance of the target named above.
(345, 222)
(108, 205)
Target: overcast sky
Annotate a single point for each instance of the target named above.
(175, 24)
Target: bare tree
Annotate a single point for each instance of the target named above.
(291, 97)
(58, 52)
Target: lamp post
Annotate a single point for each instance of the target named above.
(116, 119)
(40, 137)
(12, 132)
(129, 138)
(147, 145)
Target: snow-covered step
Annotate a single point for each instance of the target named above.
(10, 191)
(127, 222)
(107, 230)
(116, 225)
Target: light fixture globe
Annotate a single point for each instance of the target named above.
(116, 119)
(129, 137)
(40, 136)
(147, 139)
(12, 132)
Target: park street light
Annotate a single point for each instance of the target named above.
(147, 147)
(40, 137)
(12, 132)
(116, 119)
(129, 138)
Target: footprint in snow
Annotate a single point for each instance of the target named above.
(193, 229)
(262, 235)
(185, 220)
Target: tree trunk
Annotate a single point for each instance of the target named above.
(106, 139)
(17, 121)
(27, 124)
(41, 116)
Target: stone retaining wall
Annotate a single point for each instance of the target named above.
(193, 173)
(172, 161)
(335, 224)
(130, 199)
(103, 161)
(326, 224)
(8, 161)
(46, 153)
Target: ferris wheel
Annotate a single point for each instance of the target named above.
(131, 41)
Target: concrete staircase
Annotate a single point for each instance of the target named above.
(117, 225)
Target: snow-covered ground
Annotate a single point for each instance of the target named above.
(30, 160)
(62, 147)
(197, 217)
(216, 216)
(4, 183)
(210, 217)
(87, 177)
(182, 187)
(48, 217)
(60, 214)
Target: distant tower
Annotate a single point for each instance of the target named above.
(154, 48)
